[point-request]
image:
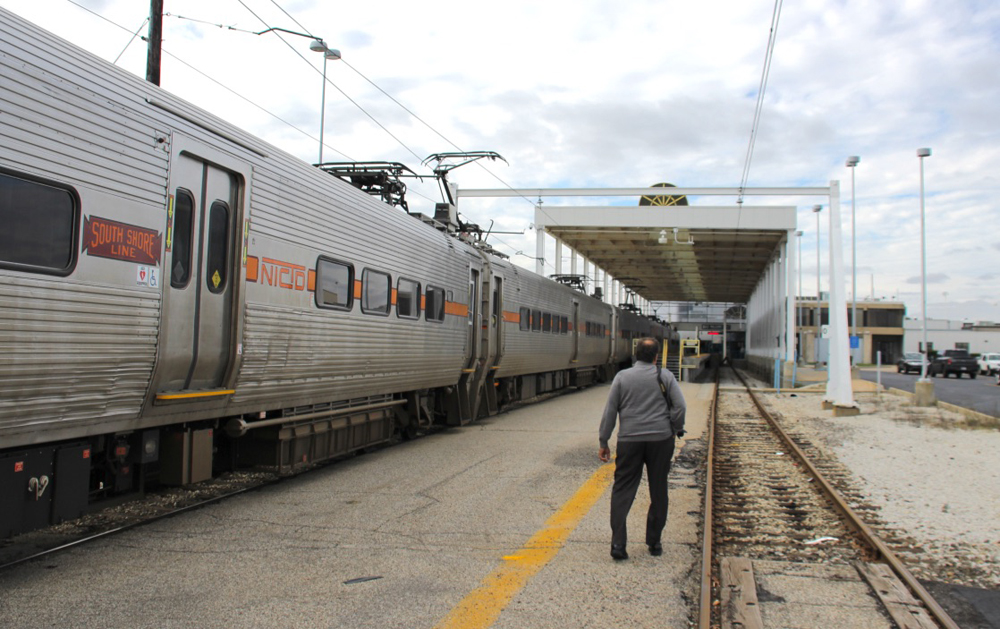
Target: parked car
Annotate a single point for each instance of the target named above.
(989, 364)
(954, 361)
(911, 361)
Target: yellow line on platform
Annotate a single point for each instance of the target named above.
(481, 607)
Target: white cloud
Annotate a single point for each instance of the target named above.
(601, 93)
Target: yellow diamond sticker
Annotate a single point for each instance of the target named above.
(216, 279)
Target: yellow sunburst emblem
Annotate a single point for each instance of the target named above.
(663, 199)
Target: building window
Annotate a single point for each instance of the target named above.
(39, 226)
(882, 318)
(407, 299)
(434, 306)
(375, 289)
(333, 284)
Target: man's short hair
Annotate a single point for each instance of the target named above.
(647, 349)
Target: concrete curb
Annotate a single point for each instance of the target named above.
(967, 412)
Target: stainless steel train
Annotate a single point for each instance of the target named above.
(178, 297)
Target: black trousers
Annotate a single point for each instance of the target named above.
(630, 458)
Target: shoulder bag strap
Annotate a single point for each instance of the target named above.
(663, 388)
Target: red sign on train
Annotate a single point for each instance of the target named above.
(121, 241)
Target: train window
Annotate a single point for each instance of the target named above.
(434, 306)
(334, 282)
(525, 323)
(565, 325)
(218, 247)
(407, 299)
(536, 320)
(547, 322)
(180, 270)
(39, 226)
(375, 288)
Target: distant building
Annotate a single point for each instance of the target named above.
(880, 329)
(976, 338)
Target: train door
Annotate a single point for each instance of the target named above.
(575, 329)
(609, 339)
(199, 288)
(473, 345)
(497, 318)
(463, 403)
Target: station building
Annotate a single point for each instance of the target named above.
(879, 329)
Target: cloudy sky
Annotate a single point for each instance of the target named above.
(623, 93)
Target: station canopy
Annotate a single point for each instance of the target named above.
(667, 250)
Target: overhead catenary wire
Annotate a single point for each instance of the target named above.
(762, 88)
(401, 105)
(335, 86)
(293, 126)
(394, 100)
(134, 35)
(213, 80)
(758, 109)
(419, 119)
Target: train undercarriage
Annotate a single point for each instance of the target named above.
(66, 480)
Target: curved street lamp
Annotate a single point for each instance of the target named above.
(852, 161)
(318, 45)
(922, 153)
(819, 319)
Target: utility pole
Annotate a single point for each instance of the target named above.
(154, 41)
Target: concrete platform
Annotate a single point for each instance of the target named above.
(396, 538)
(466, 519)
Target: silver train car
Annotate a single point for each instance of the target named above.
(179, 298)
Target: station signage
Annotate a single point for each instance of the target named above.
(106, 238)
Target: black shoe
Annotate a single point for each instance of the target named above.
(618, 552)
(656, 549)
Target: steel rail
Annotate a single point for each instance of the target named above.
(705, 604)
(854, 520)
(136, 524)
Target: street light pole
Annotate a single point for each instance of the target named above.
(798, 308)
(922, 153)
(819, 318)
(318, 45)
(852, 161)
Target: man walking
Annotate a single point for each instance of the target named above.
(651, 409)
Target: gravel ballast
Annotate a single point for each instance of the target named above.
(933, 475)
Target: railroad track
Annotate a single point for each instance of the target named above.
(769, 499)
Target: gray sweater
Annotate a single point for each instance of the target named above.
(635, 397)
